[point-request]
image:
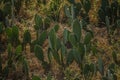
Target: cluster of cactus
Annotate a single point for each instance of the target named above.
(10, 9)
(39, 51)
(13, 35)
(73, 47)
(111, 11)
(109, 15)
(41, 26)
(40, 55)
(17, 5)
(14, 57)
(79, 9)
(26, 39)
(59, 51)
(80, 47)
(110, 73)
(14, 52)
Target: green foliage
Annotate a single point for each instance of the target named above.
(41, 25)
(77, 57)
(86, 5)
(38, 22)
(40, 41)
(115, 58)
(80, 9)
(110, 73)
(25, 67)
(89, 70)
(114, 55)
(17, 6)
(1, 28)
(7, 9)
(26, 37)
(52, 39)
(86, 70)
(118, 23)
(109, 10)
(42, 38)
(46, 23)
(56, 27)
(40, 55)
(101, 66)
(66, 34)
(9, 33)
(15, 57)
(67, 11)
(9, 50)
(70, 58)
(73, 40)
(13, 35)
(10, 8)
(70, 13)
(80, 46)
(77, 29)
(35, 78)
(56, 45)
(18, 50)
(87, 38)
(39, 52)
(15, 32)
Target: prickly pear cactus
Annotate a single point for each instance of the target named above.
(109, 9)
(79, 9)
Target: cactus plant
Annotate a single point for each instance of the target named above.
(35, 78)
(70, 58)
(39, 41)
(109, 15)
(77, 29)
(101, 66)
(46, 23)
(66, 35)
(87, 38)
(42, 38)
(26, 38)
(13, 35)
(110, 10)
(15, 57)
(55, 45)
(1, 28)
(70, 13)
(80, 9)
(38, 24)
(39, 54)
